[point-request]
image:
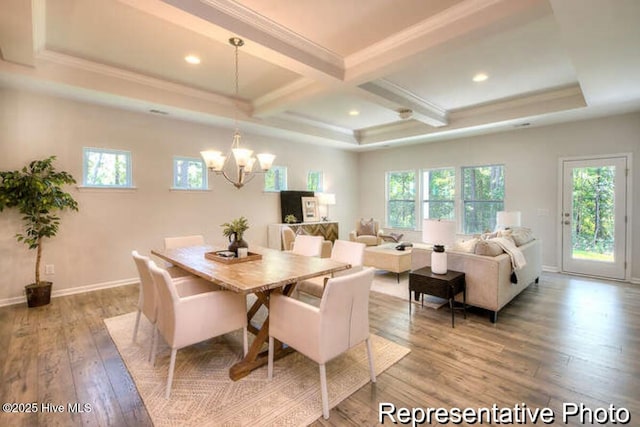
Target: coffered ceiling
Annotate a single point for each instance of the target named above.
(355, 74)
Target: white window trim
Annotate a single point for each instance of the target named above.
(286, 180)
(205, 175)
(416, 202)
(129, 156)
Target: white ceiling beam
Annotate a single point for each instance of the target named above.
(16, 32)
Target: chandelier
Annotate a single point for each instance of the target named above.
(218, 163)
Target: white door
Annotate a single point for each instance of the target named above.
(594, 217)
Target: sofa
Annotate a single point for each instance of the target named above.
(488, 278)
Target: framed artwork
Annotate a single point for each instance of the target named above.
(310, 209)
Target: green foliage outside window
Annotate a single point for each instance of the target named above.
(189, 173)
(439, 187)
(482, 197)
(593, 210)
(276, 179)
(314, 181)
(106, 168)
(401, 199)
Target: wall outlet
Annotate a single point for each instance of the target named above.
(49, 269)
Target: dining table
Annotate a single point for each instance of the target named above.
(265, 271)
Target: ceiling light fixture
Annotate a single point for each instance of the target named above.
(354, 113)
(480, 77)
(244, 159)
(192, 59)
(405, 113)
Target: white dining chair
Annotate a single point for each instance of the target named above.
(183, 321)
(323, 333)
(148, 300)
(181, 242)
(307, 245)
(343, 251)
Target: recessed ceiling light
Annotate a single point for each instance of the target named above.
(480, 77)
(354, 113)
(192, 59)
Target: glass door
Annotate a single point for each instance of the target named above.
(594, 217)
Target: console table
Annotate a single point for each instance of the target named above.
(327, 229)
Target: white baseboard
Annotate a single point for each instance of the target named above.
(635, 280)
(71, 291)
(550, 269)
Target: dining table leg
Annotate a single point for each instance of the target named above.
(256, 356)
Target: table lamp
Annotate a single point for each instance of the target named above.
(506, 219)
(439, 233)
(326, 199)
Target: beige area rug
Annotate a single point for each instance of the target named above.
(203, 394)
(387, 283)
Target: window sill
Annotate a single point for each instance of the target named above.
(89, 188)
(191, 190)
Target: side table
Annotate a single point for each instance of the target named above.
(448, 285)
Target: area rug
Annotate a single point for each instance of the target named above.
(387, 283)
(203, 395)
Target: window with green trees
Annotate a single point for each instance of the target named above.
(482, 197)
(276, 179)
(315, 181)
(189, 173)
(438, 193)
(401, 199)
(593, 213)
(106, 168)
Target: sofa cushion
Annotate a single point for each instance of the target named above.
(366, 228)
(488, 248)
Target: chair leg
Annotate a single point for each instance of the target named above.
(372, 371)
(323, 391)
(135, 328)
(245, 341)
(154, 337)
(154, 351)
(270, 359)
(172, 365)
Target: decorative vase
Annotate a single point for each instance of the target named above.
(235, 243)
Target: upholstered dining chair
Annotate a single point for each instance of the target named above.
(323, 333)
(180, 242)
(288, 237)
(344, 251)
(183, 321)
(148, 300)
(308, 245)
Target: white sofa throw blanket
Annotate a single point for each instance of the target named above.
(517, 258)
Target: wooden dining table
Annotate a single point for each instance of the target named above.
(275, 271)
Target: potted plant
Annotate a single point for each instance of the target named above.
(234, 231)
(36, 191)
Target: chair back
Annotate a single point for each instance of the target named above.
(376, 225)
(308, 245)
(345, 312)
(288, 237)
(147, 300)
(167, 299)
(349, 252)
(182, 241)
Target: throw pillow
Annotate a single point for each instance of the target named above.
(366, 228)
(468, 246)
(521, 235)
(488, 248)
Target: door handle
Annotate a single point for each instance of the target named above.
(567, 222)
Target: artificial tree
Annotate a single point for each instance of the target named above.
(37, 192)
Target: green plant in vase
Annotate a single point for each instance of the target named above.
(234, 231)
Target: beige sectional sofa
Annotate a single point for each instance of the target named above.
(488, 278)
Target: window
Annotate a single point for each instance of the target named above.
(482, 197)
(189, 173)
(401, 199)
(315, 181)
(276, 179)
(438, 192)
(106, 168)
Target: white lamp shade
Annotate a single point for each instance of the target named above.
(506, 219)
(266, 160)
(328, 199)
(438, 231)
(213, 159)
(242, 156)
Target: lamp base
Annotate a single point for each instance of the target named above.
(438, 262)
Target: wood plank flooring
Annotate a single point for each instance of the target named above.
(566, 339)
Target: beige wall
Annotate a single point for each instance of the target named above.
(530, 157)
(93, 246)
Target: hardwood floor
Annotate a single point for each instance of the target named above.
(566, 339)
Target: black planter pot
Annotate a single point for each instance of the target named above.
(38, 294)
